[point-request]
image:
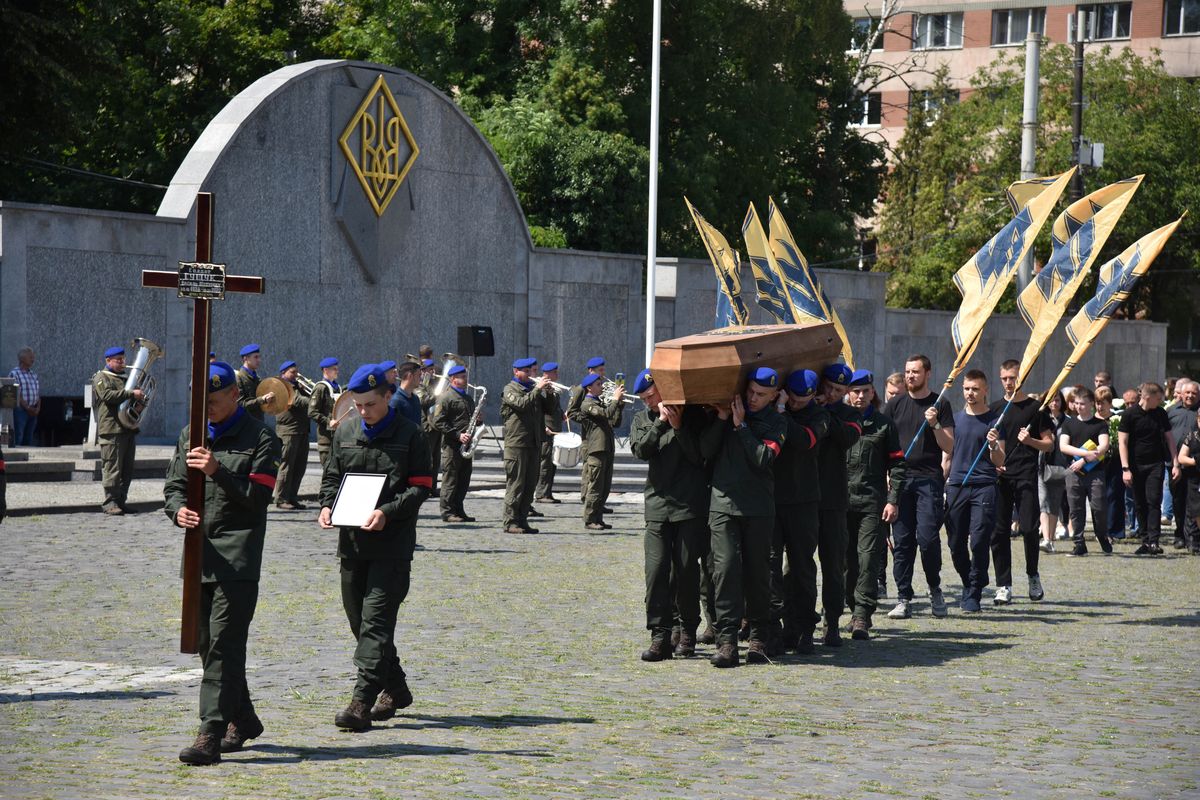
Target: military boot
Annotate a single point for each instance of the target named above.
(204, 751)
(355, 717)
(727, 655)
(859, 627)
(830, 636)
(389, 702)
(756, 652)
(660, 647)
(709, 636)
(805, 645)
(239, 732)
(687, 644)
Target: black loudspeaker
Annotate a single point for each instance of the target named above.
(476, 340)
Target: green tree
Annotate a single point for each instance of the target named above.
(944, 198)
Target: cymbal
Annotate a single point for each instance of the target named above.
(283, 395)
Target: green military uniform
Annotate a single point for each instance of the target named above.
(433, 437)
(292, 428)
(599, 450)
(844, 430)
(375, 565)
(552, 419)
(118, 444)
(3, 488)
(452, 417)
(676, 510)
(797, 494)
(741, 515)
(574, 402)
(521, 410)
(234, 524)
(320, 411)
(875, 465)
(247, 382)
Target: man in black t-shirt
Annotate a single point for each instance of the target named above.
(926, 429)
(1146, 442)
(1027, 434)
(1084, 439)
(1189, 452)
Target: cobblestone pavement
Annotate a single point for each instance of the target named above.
(523, 656)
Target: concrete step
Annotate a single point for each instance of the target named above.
(38, 470)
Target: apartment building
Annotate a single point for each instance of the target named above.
(966, 35)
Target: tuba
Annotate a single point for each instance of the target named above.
(130, 412)
(610, 388)
(305, 385)
(443, 381)
(475, 429)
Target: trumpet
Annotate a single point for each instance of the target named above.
(558, 388)
(305, 385)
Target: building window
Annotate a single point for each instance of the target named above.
(870, 110)
(1182, 18)
(863, 27)
(937, 31)
(1108, 21)
(931, 102)
(1011, 26)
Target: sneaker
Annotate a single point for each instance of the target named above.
(1144, 550)
(1079, 550)
(1060, 533)
(1046, 546)
(1158, 551)
(1106, 545)
(901, 611)
(1003, 596)
(971, 606)
(1036, 592)
(937, 603)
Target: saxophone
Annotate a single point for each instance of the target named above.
(475, 429)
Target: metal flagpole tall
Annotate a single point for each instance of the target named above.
(652, 224)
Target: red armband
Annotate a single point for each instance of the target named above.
(263, 479)
(421, 480)
(771, 445)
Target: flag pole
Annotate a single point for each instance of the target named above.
(652, 223)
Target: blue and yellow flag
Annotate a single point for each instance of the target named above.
(731, 309)
(1078, 235)
(983, 279)
(769, 281)
(808, 298)
(1117, 279)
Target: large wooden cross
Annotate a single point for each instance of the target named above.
(193, 543)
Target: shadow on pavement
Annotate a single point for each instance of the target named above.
(422, 721)
(286, 754)
(1177, 621)
(471, 551)
(12, 697)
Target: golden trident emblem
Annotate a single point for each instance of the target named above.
(380, 129)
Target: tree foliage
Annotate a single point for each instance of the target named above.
(945, 197)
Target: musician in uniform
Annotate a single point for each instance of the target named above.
(552, 412)
(796, 528)
(742, 442)
(599, 448)
(239, 460)
(320, 406)
(522, 413)
(292, 427)
(428, 397)
(248, 380)
(376, 558)
(676, 511)
(452, 419)
(875, 467)
(595, 366)
(118, 443)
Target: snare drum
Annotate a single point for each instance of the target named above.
(567, 447)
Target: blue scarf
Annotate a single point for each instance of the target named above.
(463, 392)
(523, 384)
(217, 431)
(336, 389)
(371, 431)
(251, 373)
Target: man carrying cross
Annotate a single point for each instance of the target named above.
(240, 458)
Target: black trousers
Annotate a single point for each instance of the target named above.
(372, 591)
(1023, 493)
(1084, 488)
(741, 550)
(1147, 499)
(970, 520)
(673, 552)
(794, 595)
(1185, 526)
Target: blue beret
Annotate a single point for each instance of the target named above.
(550, 366)
(326, 363)
(642, 382)
(765, 376)
(802, 382)
(285, 366)
(212, 354)
(220, 376)
(113, 352)
(524, 363)
(427, 362)
(590, 379)
(455, 370)
(366, 378)
(837, 373)
(249, 350)
(598, 361)
(386, 365)
(862, 377)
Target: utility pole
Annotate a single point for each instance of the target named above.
(1077, 106)
(652, 222)
(1029, 122)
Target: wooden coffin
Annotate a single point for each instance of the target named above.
(711, 367)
